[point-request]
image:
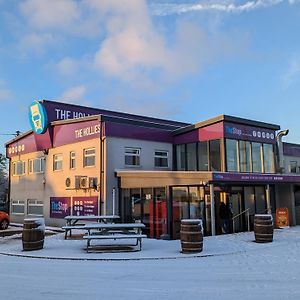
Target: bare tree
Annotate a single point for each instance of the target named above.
(3, 178)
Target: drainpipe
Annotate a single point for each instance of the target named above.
(280, 158)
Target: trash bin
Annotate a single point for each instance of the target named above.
(191, 235)
(263, 228)
(33, 234)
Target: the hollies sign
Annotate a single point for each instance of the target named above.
(282, 217)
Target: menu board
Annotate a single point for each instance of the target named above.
(85, 206)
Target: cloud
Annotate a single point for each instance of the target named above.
(67, 66)
(5, 93)
(293, 72)
(74, 94)
(163, 9)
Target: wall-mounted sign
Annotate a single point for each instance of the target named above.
(85, 206)
(38, 117)
(60, 207)
(282, 217)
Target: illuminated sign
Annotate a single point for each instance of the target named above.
(38, 117)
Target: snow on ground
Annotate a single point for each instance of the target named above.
(238, 268)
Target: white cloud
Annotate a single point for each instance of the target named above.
(293, 72)
(5, 93)
(74, 94)
(163, 9)
(67, 66)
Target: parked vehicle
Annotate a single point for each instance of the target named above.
(4, 220)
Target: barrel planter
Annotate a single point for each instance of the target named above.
(33, 234)
(263, 228)
(191, 236)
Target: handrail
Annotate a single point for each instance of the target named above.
(238, 215)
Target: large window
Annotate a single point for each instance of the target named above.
(34, 207)
(191, 152)
(232, 155)
(214, 155)
(245, 156)
(161, 159)
(203, 156)
(36, 165)
(18, 168)
(57, 162)
(180, 157)
(89, 157)
(132, 156)
(256, 158)
(269, 160)
(72, 160)
(18, 207)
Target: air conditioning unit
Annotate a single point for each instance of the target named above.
(93, 181)
(81, 182)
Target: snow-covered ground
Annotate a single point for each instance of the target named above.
(230, 267)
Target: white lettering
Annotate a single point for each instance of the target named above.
(87, 131)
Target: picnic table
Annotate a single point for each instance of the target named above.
(72, 221)
(109, 231)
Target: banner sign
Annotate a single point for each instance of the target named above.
(85, 206)
(282, 217)
(60, 207)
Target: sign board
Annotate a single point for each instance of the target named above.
(85, 206)
(38, 117)
(282, 217)
(60, 207)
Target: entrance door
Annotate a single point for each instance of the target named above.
(236, 206)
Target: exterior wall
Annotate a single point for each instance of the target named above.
(285, 197)
(52, 183)
(287, 163)
(115, 159)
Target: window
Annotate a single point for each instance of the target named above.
(191, 152)
(72, 160)
(161, 159)
(18, 168)
(57, 162)
(245, 156)
(202, 156)
(269, 160)
(89, 157)
(34, 207)
(256, 158)
(132, 156)
(232, 155)
(214, 155)
(293, 166)
(18, 207)
(36, 165)
(180, 157)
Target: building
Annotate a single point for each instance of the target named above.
(79, 160)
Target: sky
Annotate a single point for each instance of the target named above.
(183, 60)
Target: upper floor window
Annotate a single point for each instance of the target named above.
(36, 165)
(132, 156)
(269, 159)
(72, 160)
(89, 157)
(214, 155)
(293, 167)
(57, 162)
(161, 159)
(232, 155)
(256, 157)
(245, 156)
(18, 168)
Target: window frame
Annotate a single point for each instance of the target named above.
(55, 161)
(138, 156)
(19, 203)
(40, 204)
(15, 168)
(87, 156)
(156, 156)
(31, 165)
(72, 158)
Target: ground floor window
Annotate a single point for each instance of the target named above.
(18, 207)
(35, 207)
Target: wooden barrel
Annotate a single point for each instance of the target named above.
(191, 236)
(33, 234)
(263, 228)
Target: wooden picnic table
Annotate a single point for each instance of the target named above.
(72, 221)
(109, 231)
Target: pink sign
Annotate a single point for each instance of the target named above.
(85, 206)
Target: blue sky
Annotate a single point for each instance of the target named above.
(183, 60)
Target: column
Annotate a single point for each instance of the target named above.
(212, 209)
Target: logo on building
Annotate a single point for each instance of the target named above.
(38, 117)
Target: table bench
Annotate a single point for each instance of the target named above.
(72, 222)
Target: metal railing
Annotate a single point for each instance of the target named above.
(234, 218)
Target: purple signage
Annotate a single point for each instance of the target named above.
(85, 206)
(249, 133)
(60, 207)
(249, 178)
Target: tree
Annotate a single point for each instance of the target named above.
(3, 177)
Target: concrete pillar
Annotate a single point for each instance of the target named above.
(212, 209)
